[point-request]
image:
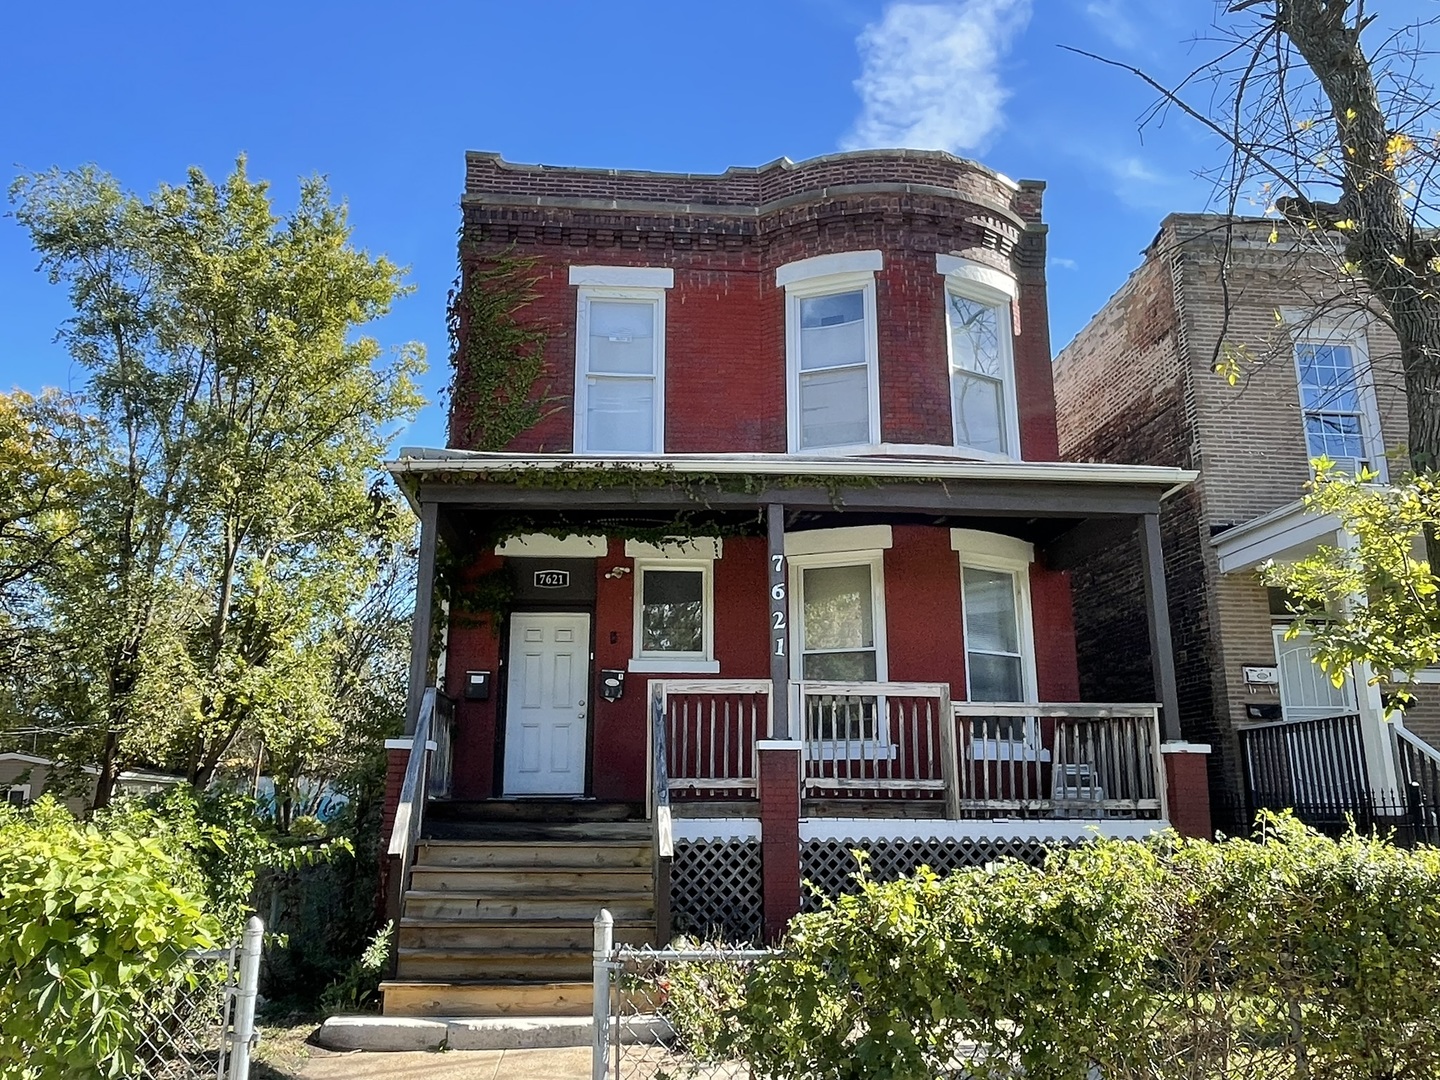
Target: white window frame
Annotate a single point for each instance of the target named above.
(1306, 330)
(988, 286)
(699, 554)
(23, 789)
(585, 293)
(1003, 555)
(826, 275)
(828, 749)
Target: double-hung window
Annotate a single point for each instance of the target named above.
(620, 359)
(674, 606)
(832, 350)
(999, 644)
(979, 326)
(1337, 403)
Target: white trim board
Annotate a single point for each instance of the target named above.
(819, 266)
(860, 829)
(859, 538)
(988, 278)
(541, 546)
(1271, 535)
(640, 277)
(693, 830)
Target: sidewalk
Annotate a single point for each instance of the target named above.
(569, 1064)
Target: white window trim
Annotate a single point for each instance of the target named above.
(584, 295)
(688, 663)
(1007, 555)
(861, 539)
(23, 789)
(543, 546)
(1349, 332)
(880, 747)
(821, 276)
(679, 547)
(640, 277)
(988, 286)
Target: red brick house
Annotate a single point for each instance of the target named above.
(780, 572)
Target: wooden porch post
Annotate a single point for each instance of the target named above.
(779, 625)
(420, 624)
(1157, 605)
(780, 757)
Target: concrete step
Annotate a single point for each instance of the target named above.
(518, 964)
(420, 997)
(630, 905)
(392, 1033)
(528, 854)
(436, 933)
(504, 881)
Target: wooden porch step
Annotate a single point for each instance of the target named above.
(533, 810)
(412, 997)
(494, 963)
(601, 852)
(441, 933)
(580, 905)
(505, 881)
(636, 832)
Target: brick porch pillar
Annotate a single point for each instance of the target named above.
(1187, 788)
(779, 832)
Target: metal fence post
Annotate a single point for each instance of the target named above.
(244, 1032)
(600, 1008)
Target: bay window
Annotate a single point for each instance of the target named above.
(979, 326)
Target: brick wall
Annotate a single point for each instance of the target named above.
(725, 318)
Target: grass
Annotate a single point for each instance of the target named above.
(284, 1049)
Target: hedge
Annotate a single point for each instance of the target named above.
(1287, 955)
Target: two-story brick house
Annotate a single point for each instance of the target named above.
(782, 572)
(1317, 376)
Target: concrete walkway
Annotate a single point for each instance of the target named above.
(572, 1063)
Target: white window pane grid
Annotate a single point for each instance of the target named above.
(975, 336)
(1334, 436)
(978, 373)
(1327, 378)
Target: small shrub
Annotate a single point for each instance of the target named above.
(356, 989)
(91, 923)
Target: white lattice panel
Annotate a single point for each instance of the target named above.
(829, 866)
(715, 890)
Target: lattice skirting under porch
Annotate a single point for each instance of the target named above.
(827, 867)
(715, 890)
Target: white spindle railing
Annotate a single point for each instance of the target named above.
(710, 727)
(876, 739)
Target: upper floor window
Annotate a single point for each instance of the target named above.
(832, 350)
(1337, 402)
(620, 359)
(983, 410)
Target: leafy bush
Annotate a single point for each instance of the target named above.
(91, 922)
(356, 989)
(1287, 955)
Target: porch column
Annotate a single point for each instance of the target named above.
(1187, 788)
(1157, 604)
(420, 624)
(779, 756)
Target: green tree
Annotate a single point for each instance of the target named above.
(234, 519)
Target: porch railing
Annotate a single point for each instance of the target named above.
(1316, 764)
(1419, 768)
(442, 760)
(705, 733)
(908, 743)
(882, 740)
(1072, 760)
(410, 813)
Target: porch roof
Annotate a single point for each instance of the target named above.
(1285, 533)
(887, 482)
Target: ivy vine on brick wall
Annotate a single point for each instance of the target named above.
(497, 361)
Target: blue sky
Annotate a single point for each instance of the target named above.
(385, 98)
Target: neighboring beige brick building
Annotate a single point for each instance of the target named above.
(1138, 384)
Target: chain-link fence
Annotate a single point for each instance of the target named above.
(200, 1024)
(664, 1014)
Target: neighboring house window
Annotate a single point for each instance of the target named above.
(832, 350)
(999, 643)
(18, 795)
(1337, 402)
(675, 606)
(620, 359)
(982, 366)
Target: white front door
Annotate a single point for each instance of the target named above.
(1306, 692)
(546, 704)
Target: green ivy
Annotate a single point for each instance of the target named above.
(497, 361)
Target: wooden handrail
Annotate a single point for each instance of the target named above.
(410, 813)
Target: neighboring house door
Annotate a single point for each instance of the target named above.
(1306, 692)
(547, 703)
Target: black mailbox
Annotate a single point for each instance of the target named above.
(477, 686)
(612, 685)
